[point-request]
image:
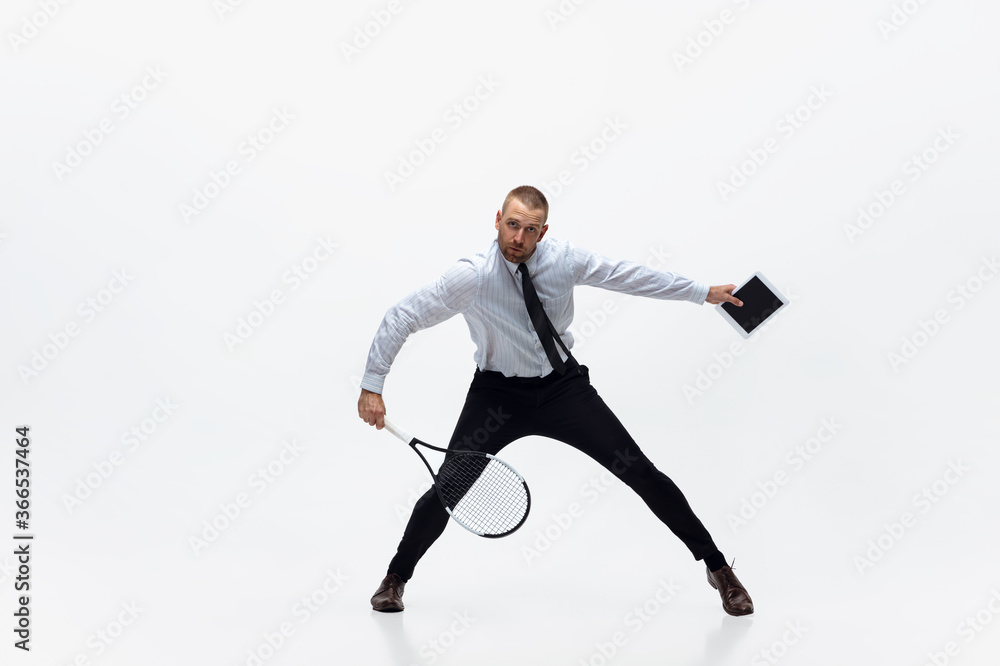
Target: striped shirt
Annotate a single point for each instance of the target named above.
(486, 290)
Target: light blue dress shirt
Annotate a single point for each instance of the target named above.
(486, 290)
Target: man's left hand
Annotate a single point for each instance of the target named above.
(723, 294)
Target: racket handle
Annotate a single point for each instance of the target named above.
(397, 431)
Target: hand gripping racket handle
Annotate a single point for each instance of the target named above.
(397, 431)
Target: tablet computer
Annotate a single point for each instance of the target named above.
(761, 301)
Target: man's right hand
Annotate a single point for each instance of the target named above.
(371, 409)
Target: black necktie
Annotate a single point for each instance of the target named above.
(543, 327)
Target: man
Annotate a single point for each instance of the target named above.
(516, 297)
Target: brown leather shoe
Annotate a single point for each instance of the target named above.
(735, 599)
(388, 598)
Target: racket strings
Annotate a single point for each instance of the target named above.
(483, 493)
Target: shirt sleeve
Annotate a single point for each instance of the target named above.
(432, 304)
(628, 277)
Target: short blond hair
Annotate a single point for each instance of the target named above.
(531, 197)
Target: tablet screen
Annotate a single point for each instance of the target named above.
(759, 303)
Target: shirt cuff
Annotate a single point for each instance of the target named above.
(372, 382)
(700, 293)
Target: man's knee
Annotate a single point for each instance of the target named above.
(629, 461)
(641, 475)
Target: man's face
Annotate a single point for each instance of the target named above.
(519, 230)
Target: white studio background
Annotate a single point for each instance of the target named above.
(206, 208)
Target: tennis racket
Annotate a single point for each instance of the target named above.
(480, 492)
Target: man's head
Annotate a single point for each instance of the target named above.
(521, 223)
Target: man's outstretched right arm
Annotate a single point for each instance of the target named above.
(432, 304)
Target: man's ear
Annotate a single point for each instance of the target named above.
(545, 228)
(499, 216)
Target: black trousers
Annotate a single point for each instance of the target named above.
(499, 410)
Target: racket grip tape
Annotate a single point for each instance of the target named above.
(397, 431)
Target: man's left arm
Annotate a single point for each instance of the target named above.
(629, 277)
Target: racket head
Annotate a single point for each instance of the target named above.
(482, 493)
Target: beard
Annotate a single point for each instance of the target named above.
(513, 253)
